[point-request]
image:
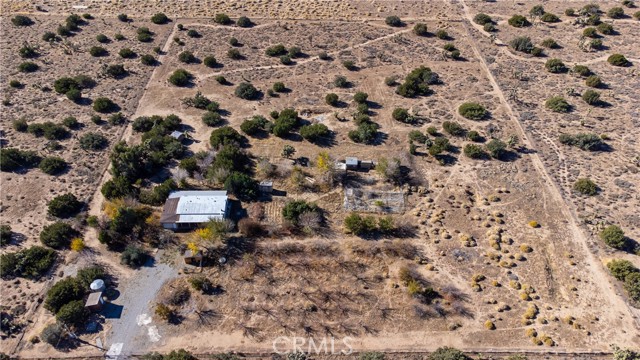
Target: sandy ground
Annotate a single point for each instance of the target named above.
(567, 265)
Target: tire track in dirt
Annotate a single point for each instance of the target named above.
(301, 62)
(600, 277)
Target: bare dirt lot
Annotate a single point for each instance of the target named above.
(467, 231)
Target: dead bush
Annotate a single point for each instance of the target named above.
(250, 228)
(179, 296)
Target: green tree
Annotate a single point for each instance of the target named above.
(64, 206)
(613, 236)
(473, 111)
(52, 165)
(58, 235)
(63, 292)
(73, 313)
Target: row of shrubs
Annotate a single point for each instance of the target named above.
(626, 272)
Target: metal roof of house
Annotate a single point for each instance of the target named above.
(194, 206)
(176, 134)
(351, 161)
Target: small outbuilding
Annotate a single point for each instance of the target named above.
(193, 259)
(177, 135)
(352, 163)
(95, 301)
(366, 164)
(266, 186)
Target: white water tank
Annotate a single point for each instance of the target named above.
(97, 285)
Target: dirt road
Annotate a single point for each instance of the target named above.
(133, 330)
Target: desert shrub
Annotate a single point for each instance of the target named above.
(453, 128)
(636, 15)
(286, 60)
(52, 334)
(159, 18)
(593, 81)
(244, 22)
(117, 119)
(222, 19)
(21, 20)
(73, 313)
(314, 132)
(550, 43)
(628, 3)
(57, 235)
(12, 159)
(522, 44)
(615, 12)
(549, 18)
(148, 60)
(589, 32)
(279, 87)
(294, 209)
(581, 70)
(5, 234)
(210, 61)
(340, 81)
(49, 130)
(186, 57)
(119, 37)
(102, 38)
(104, 105)
(133, 256)
(359, 225)
(49, 37)
(28, 52)
(606, 29)
(473, 111)
(225, 135)
(482, 19)
(331, 99)
(20, 125)
(400, 114)
(116, 71)
(194, 34)
(180, 77)
(366, 133)
(474, 151)
(449, 47)
(31, 263)
(98, 51)
(52, 165)
(74, 95)
(16, 84)
(519, 21)
(632, 285)
(246, 91)
(420, 29)
(28, 67)
(593, 19)
(442, 34)
(71, 122)
(496, 148)
(294, 52)
(474, 136)
(127, 53)
(591, 97)
(211, 118)
(63, 31)
(64, 84)
(613, 236)
(234, 54)
(393, 20)
(585, 186)
(63, 292)
(417, 82)
(254, 125)
(588, 142)
(448, 353)
(558, 104)
(64, 206)
(570, 12)
(417, 136)
(537, 10)
(200, 283)
(158, 195)
(349, 65)
(276, 50)
(620, 269)
(618, 60)
(555, 66)
(242, 186)
(360, 97)
(489, 27)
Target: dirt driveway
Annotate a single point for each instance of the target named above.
(132, 330)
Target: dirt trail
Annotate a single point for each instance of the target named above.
(310, 59)
(600, 277)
